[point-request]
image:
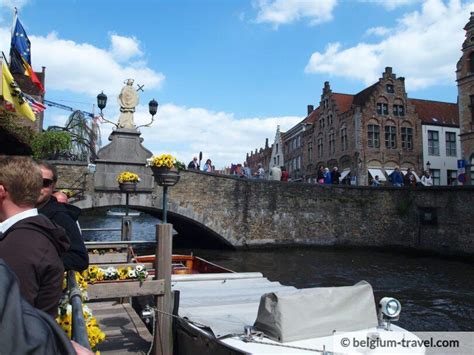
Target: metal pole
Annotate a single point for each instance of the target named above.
(79, 329)
(165, 204)
(163, 338)
(126, 203)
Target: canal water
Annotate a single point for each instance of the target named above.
(436, 294)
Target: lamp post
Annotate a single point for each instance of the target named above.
(165, 178)
(428, 165)
(102, 103)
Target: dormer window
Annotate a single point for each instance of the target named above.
(389, 88)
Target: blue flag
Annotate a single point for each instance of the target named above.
(20, 42)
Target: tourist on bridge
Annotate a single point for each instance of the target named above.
(275, 173)
(246, 172)
(335, 175)
(396, 177)
(320, 175)
(30, 243)
(76, 258)
(208, 166)
(284, 174)
(409, 179)
(193, 165)
(327, 176)
(260, 173)
(376, 181)
(426, 179)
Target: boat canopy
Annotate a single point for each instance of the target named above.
(316, 312)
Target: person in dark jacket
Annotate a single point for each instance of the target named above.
(30, 244)
(396, 177)
(76, 258)
(23, 328)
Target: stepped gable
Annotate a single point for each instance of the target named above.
(436, 112)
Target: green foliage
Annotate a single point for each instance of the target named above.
(180, 165)
(13, 124)
(49, 144)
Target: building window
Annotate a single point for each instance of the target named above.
(398, 110)
(310, 151)
(433, 143)
(452, 176)
(330, 120)
(451, 144)
(435, 173)
(278, 160)
(320, 147)
(373, 136)
(382, 109)
(298, 141)
(321, 122)
(389, 88)
(343, 138)
(407, 138)
(276, 148)
(332, 143)
(298, 162)
(390, 137)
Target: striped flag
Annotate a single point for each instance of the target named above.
(36, 106)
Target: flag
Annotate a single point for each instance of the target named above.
(36, 106)
(20, 54)
(15, 100)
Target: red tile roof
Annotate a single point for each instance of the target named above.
(436, 112)
(343, 101)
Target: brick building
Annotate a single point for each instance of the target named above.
(260, 156)
(465, 79)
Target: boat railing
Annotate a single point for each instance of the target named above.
(79, 328)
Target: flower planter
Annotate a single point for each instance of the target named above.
(128, 186)
(165, 176)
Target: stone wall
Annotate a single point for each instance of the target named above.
(254, 213)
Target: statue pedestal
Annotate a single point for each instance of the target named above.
(124, 153)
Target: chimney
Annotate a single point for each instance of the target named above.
(266, 143)
(310, 109)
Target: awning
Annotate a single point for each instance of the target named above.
(377, 172)
(388, 171)
(344, 173)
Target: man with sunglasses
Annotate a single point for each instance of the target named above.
(76, 258)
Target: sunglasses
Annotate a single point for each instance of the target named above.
(47, 182)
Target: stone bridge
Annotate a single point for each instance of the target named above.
(216, 209)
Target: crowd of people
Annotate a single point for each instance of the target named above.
(39, 240)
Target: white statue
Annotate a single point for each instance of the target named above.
(128, 100)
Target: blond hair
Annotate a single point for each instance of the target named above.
(22, 178)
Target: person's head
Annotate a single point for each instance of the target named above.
(195, 158)
(335, 168)
(397, 168)
(376, 177)
(409, 170)
(326, 170)
(50, 178)
(259, 165)
(282, 168)
(427, 173)
(208, 161)
(20, 183)
(61, 197)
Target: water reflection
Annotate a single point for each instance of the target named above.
(436, 294)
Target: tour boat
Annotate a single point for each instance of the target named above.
(221, 311)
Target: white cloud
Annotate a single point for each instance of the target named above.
(424, 48)
(280, 12)
(377, 31)
(219, 135)
(85, 69)
(392, 4)
(124, 48)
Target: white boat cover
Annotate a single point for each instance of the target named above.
(316, 312)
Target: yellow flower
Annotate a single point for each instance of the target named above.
(127, 176)
(163, 160)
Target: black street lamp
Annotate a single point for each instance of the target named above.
(152, 108)
(101, 101)
(428, 165)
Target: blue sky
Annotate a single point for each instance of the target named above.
(226, 73)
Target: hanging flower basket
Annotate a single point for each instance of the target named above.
(165, 176)
(164, 168)
(128, 186)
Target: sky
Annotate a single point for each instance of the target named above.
(226, 73)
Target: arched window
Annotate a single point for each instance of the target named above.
(407, 137)
(390, 137)
(373, 135)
